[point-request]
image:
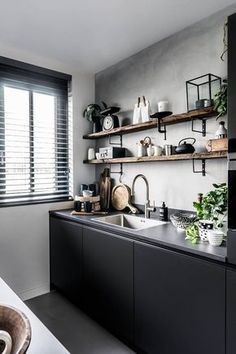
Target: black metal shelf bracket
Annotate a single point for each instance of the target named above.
(203, 170)
(119, 143)
(120, 172)
(203, 131)
(159, 126)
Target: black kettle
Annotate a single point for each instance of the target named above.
(184, 148)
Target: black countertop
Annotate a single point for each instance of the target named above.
(164, 235)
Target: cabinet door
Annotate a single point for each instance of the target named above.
(66, 257)
(108, 280)
(231, 312)
(231, 82)
(179, 303)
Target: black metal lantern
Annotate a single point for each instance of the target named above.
(201, 91)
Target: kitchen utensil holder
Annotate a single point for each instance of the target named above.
(203, 170)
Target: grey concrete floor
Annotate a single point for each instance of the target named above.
(74, 329)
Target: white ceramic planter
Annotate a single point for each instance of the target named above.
(204, 227)
(215, 237)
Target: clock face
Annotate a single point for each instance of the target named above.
(108, 123)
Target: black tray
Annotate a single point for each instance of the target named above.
(161, 114)
(110, 110)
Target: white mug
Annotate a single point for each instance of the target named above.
(163, 106)
(91, 154)
(150, 150)
(157, 150)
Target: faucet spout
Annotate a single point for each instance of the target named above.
(146, 183)
(148, 207)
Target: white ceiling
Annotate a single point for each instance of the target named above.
(91, 35)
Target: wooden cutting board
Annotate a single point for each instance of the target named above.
(105, 189)
(121, 198)
(92, 213)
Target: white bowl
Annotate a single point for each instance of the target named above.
(181, 220)
(215, 237)
(87, 193)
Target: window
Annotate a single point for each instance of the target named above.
(34, 134)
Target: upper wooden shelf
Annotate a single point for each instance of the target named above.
(179, 157)
(173, 119)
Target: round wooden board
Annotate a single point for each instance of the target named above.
(120, 196)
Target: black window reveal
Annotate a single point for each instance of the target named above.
(34, 134)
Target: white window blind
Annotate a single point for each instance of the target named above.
(34, 137)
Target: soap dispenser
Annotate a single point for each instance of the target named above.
(163, 212)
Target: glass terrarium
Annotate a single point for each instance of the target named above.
(201, 91)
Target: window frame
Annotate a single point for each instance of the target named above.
(37, 80)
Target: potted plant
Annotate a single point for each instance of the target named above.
(93, 114)
(220, 100)
(211, 209)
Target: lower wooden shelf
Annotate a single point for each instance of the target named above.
(195, 156)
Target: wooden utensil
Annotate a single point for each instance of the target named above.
(121, 197)
(105, 189)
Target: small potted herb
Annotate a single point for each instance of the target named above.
(211, 209)
(93, 114)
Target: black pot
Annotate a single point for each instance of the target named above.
(184, 148)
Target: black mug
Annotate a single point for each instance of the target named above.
(77, 205)
(87, 207)
(93, 188)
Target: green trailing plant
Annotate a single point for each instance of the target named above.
(220, 100)
(213, 206)
(225, 41)
(93, 112)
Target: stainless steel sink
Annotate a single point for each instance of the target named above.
(129, 221)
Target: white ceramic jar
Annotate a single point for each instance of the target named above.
(204, 227)
(91, 154)
(221, 132)
(141, 150)
(150, 150)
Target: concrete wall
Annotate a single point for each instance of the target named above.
(159, 72)
(24, 231)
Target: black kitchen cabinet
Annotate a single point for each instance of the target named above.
(231, 312)
(231, 238)
(179, 303)
(108, 281)
(66, 258)
(231, 82)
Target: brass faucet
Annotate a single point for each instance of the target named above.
(148, 207)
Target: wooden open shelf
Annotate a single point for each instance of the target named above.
(180, 157)
(132, 128)
(173, 119)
